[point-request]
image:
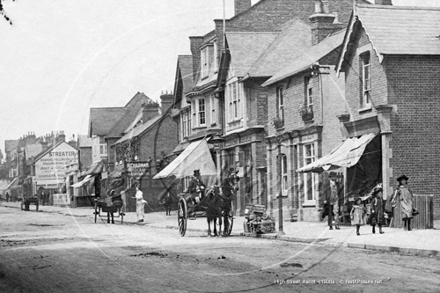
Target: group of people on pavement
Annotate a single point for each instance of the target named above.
(377, 213)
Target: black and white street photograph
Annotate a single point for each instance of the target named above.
(219, 146)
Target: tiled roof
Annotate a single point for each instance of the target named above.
(308, 57)
(139, 129)
(186, 70)
(246, 48)
(121, 125)
(33, 150)
(398, 30)
(137, 100)
(84, 141)
(102, 120)
(11, 145)
(292, 40)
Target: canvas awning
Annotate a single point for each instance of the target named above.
(347, 154)
(195, 157)
(82, 182)
(95, 169)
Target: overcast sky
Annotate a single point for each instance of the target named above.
(59, 58)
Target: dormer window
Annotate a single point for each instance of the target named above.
(208, 59)
(366, 80)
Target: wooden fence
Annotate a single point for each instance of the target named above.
(424, 220)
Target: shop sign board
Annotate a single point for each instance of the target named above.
(53, 165)
(137, 169)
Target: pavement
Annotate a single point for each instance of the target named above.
(415, 242)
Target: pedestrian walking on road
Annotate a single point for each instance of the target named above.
(377, 216)
(140, 203)
(406, 201)
(332, 202)
(357, 214)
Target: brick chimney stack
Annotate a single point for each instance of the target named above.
(323, 22)
(241, 6)
(149, 110)
(60, 136)
(195, 44)
(166, 100)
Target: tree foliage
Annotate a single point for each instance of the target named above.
(2, 12)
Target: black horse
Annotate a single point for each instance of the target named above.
(219, 203)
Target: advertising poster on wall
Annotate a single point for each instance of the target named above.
(51, 168)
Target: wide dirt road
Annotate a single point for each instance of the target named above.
(42, 252)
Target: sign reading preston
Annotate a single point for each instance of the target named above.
(52, 166)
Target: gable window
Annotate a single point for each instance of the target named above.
(280, 103)
(201, 112)
(309, 177)
(186, 123)
(204, 62)
(308, 93)
(103, 149)
(366, 80)
(284, 186)
(234, 97)
(213, 113)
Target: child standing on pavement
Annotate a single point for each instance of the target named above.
(357, 214)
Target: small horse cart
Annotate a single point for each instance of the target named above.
(113, 203)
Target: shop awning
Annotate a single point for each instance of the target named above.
(95, 169)
(84, 181)
(195, 157)
(347, 154)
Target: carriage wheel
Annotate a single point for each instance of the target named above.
(182, 216)
(230, 219)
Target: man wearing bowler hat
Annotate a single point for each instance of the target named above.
(332, 201)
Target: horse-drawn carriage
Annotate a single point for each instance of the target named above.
(217, 205)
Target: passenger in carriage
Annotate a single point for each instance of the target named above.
(196, 187)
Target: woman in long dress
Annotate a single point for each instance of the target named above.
(406, 201)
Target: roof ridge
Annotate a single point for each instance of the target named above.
(250, 32)
(398, 7)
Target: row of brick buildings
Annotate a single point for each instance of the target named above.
(291, 81)
(286, 91)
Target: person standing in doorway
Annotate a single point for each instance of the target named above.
(140, 203)
(406, 201)
(7, 196)
(332, 201)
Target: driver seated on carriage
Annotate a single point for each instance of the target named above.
(196, 187)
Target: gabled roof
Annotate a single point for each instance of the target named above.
(183, 81)
(33, 150)
(292, 40)
(137, 100)
(186, 71)
(102, 120)
(139, 129)
(246, 48)
(121, 125)
(397, 30)
(42, 154)
(308, 57)
(11, 145)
